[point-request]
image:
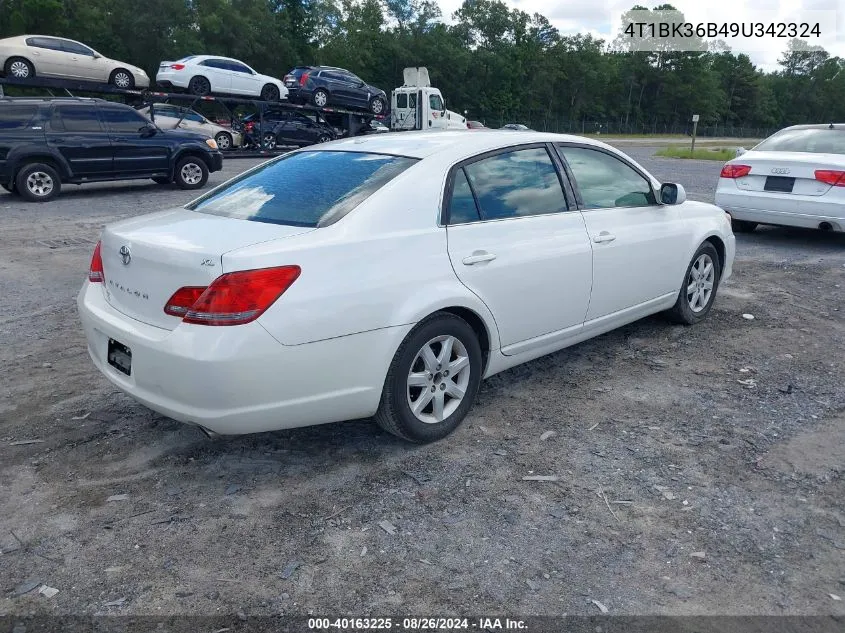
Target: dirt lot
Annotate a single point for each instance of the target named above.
(700, 469)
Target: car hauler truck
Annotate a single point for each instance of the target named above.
(416, 105)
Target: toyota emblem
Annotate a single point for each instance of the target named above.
(125, 254)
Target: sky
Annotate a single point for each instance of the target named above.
(598, 18)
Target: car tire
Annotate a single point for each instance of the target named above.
(320, 98)
(199, 86)
(122, 78)
(698, 291)
(160, 180)
(377, 105)
(269, 141)
(411, 378)
(19, 68)
(38, 182)
(270, 93)
(743, 226)
(191, 173)
(324, 138)
(224, 141)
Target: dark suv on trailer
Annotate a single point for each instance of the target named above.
(326, 85)
(47, 142)
(290, 128)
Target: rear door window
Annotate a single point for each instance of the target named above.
(295, 191)
(73, 118)
(517, 183)
(16, 117)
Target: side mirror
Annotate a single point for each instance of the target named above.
(671, 193)
(148, 130)
(97, 56)
(740, 151)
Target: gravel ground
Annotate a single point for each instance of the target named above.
(700, 469)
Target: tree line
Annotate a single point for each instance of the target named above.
(497, 63)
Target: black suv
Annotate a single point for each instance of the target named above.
(285, 127)
(47, 142)
(326, 85)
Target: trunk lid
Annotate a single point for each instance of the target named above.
(147, 259)
(771, 172)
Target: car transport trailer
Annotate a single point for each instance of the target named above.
(347, 122)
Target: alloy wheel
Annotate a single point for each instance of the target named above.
(438, 379)
(702, 277)
(19, 69)
(191, 173)
(39, 184)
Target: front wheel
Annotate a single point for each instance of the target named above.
(743, 226)
(270, 93)
(377, 105)
(122, 79)
(224, 141)
(191, 173)
(700, 284)
(432, 381)
(269, 141)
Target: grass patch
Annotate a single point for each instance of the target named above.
(702, 153)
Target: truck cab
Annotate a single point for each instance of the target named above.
(416, 105)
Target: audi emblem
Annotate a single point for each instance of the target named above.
(125, 254)
(780, 170)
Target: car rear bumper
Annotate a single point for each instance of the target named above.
(786, 210)
(235, 380)
(173, 79)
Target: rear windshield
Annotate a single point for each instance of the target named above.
(305, 188)
(812, 140)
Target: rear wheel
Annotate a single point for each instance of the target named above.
(324, 138)
(19, 68)
(433, 380)
(320, 98)
(122, 79)
(38, 182)
(223, 140)
(199, 86)
(191, 173)
(270, 93)
(743, 226)
(700, 284)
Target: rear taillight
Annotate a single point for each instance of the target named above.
(248, 126)
(95, 270)
(735, 171)
(831, 177)
(183, 299)
(177, 66)
(303, 78)
(234, 298)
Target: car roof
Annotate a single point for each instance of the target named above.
(816, 126)
(452, 145)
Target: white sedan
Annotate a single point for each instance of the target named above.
(796, 177)
(386, 275)
(209, 74)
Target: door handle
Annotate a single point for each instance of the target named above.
(478, 257)
(604, 236)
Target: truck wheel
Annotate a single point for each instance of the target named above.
(320, 98)
(191, 173)
(377, 105)
(38, 182)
